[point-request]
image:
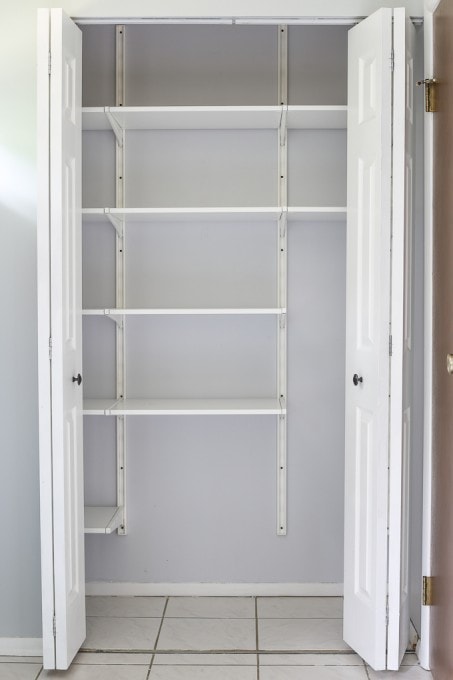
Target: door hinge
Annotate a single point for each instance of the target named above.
(392, 61)
(54, 626)
(427, 591)
(282, 321)
(390, 345)
(49, 63)
(50, 349)
(430, 94)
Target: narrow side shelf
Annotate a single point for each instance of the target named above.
(316, 117)
(102, 520)
(317, 214)
(156, 407)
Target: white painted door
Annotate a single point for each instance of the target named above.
(60, 342)
(375, 578)
(401, 319)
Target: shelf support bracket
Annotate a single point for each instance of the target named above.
(114, 317)
(116, 127)
(282, 221)
(283, 126)
(117, 223)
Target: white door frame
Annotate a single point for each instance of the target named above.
(97, 14)
(425, 632)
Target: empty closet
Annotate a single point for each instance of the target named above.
(193, 290)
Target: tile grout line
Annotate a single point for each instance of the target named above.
(257, 640)
(157, 639)
(366, 670)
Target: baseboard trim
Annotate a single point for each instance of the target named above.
(17, 646)
(216, 589)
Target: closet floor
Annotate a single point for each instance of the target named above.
(212, 638)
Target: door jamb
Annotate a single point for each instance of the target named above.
(423, 646)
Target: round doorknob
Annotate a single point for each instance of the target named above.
(78, 379)
(356, 380)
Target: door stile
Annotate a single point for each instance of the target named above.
(44, 338)
(401, 339)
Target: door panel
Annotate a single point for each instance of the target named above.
(442, 513)
(378, 355)
(367, 336)
(59, 228)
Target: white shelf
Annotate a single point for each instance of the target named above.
(130, 215)
(124, 407)
(153, 215)
(102, 520)
(317, 214)
(316, 117)
(183, 117)
(184, 311)
(213, 117)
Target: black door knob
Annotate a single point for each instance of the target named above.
(78, 380)
(356, 380)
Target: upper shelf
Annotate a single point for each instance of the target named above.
(212, 117)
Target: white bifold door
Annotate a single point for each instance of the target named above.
(60, 336)
(378, 413)
(378, 342)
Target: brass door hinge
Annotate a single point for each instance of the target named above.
(427, 594)
(430, 94)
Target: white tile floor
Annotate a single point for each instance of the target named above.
(215, 638)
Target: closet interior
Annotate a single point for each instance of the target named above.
(214, 254)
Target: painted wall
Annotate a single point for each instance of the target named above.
(19, 486)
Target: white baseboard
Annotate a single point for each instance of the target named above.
(216, 589)
(17, 646)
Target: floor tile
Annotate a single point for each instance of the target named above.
(80, 672)
(207, 634)
(310, 660)
(115, 658)
(121, 633)
(313, 673)
(149, 607)
(202, 672)
(300, 607)
(405, 673)
(300, 634)
(205, 660)
(410, 660)
(19, 671)
(211, 607)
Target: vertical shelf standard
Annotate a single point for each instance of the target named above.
(282, 280)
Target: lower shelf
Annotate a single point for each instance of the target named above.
(136, 407)
(102, 520)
